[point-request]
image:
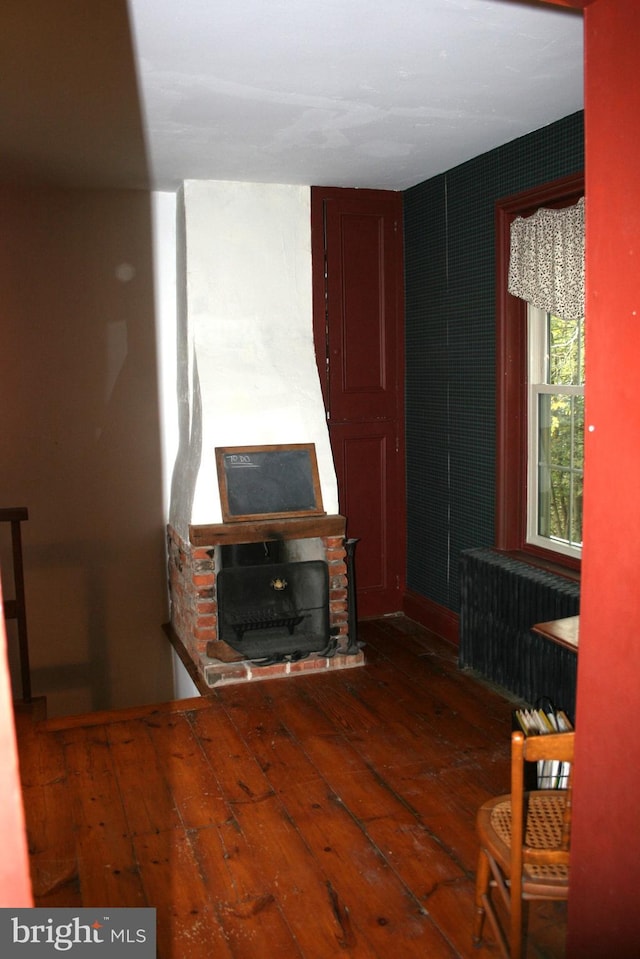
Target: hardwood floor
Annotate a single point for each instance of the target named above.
(312, 817)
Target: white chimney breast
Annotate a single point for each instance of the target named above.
(248, 371)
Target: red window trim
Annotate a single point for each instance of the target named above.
(511, 378)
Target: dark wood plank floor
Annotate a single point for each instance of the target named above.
(313, 817)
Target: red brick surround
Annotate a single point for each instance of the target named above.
(192, 588)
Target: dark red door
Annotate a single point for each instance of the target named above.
(358, 323)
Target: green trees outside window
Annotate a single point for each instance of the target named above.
(560, 431)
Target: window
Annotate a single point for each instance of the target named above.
(555, 418)
(556, 484)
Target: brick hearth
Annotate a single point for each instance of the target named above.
(193, 568)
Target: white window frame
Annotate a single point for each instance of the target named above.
(537, 352)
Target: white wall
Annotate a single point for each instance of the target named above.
(247, 369)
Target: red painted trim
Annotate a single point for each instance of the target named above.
(511, 370)
(511, 399)
(434, 617)
(576, 4)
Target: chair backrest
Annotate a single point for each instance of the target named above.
(557, 747)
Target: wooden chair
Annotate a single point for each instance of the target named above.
(524, 843)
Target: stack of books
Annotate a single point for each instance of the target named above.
(552, 774)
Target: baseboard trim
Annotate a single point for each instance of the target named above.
(440, 620)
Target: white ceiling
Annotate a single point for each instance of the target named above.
(365, 93)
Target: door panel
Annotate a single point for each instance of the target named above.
(361, 456)
(362, 356)
(357, 264)
(361, 248)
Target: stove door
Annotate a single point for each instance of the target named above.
(276, 610)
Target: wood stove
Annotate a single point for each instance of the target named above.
(274, 611)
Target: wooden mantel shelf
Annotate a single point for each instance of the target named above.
(265, 531)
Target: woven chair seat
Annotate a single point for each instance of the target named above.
(544, 831)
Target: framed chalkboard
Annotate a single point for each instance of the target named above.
(266, 482)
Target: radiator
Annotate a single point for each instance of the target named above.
(500, 600)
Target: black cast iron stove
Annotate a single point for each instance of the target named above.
(270, 610)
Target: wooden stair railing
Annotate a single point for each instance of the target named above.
(16, 608)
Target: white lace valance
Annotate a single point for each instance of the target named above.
(546, 265)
